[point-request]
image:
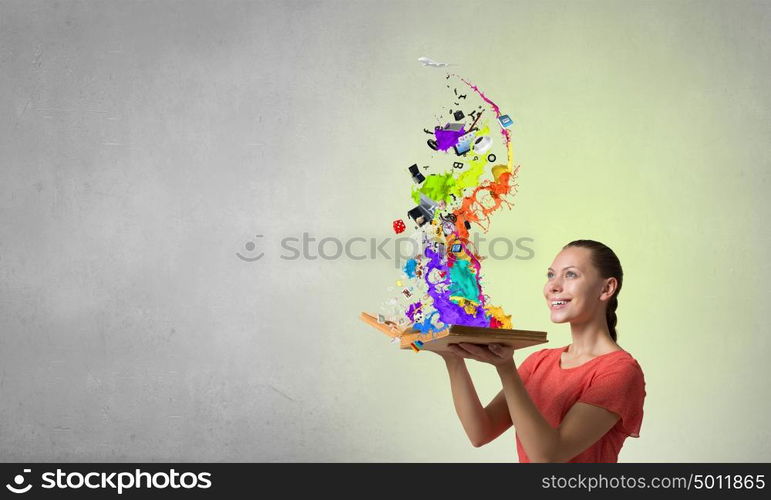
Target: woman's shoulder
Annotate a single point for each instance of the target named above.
(622, 355)
(620, 359)
(545, 353)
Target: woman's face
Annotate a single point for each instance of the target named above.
(574, 290)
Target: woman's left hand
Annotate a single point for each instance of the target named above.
(495, 354)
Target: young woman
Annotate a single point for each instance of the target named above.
(576, 403)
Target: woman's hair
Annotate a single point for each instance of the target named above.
(609, 266)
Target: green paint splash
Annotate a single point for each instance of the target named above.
(442, 187)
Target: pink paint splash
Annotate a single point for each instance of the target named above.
(504, 132)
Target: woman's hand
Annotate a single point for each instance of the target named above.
(448, 355)
(494, 354)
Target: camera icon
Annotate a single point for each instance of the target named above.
(19, 479)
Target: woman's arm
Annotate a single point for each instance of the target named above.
(482, 424)
(583, 425)
(538, 437)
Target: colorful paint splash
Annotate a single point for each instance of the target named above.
(442, 284)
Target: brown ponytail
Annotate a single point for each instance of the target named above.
(607, 263)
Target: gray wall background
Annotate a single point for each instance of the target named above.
(142, 144)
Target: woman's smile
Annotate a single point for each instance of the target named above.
(559, 303)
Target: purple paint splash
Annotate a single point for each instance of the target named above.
(413, 310)
(445, 139)
(450, 313)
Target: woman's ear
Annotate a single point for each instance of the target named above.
(609, 288)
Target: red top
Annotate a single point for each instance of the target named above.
(613, 381)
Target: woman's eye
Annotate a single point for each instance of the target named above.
(571, 273)
(549, 275)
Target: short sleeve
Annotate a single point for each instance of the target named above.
(619, 387)
(525, 369)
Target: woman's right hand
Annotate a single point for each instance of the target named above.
(449, 354)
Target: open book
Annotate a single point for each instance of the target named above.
(410, 338)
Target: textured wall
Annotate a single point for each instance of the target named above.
(143, 144)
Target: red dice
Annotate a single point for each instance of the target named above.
(399, 226)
